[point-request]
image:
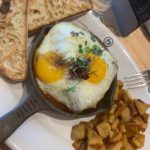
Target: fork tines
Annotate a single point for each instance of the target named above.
(138, 80)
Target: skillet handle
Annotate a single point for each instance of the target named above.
(12, 120)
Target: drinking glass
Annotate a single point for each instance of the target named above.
(100, 6)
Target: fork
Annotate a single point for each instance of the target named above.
(137, 80)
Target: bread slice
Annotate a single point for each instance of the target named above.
(49, 11)
(13, 40)
(38, 14)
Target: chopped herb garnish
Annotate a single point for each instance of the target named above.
(94, 50)
(80, 45)
(71, 89)
(81, 33)
(87, 50)
(93, 38)
(80, 50)
(80, 68)
(74, 33)
(85, 43)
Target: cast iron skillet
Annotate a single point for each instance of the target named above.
(36, 101)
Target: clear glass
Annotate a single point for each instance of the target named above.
(100, 6)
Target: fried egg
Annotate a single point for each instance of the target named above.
(62, 58)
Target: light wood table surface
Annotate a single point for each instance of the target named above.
(139, 48)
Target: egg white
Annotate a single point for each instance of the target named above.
(86, 94)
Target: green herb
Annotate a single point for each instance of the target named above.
(87, 50)
(74, 33)
(83, 62)
(81, 33)
(79, 68)
(84, 50)
(96, 50)
(85, 43)
(71, 89)
(80, 50)
(93, 38)
(80, 45)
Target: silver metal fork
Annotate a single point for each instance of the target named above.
(137, 80)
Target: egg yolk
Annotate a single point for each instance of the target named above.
(46, 68)
(98, 69)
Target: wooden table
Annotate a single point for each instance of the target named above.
(139, 48)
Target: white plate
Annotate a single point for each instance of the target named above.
(41, 132)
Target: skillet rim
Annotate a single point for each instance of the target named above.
(34, 44)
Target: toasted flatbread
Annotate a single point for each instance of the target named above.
(49, 11)
(13, 40)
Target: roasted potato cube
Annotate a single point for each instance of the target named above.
(124, 95)
(113, 109)
(120, 94)
(111, 118)
(115, 146)
(141, 106)
(102, 116)
(78, 132)
(126, 114)
(116, 138)
(124, 140)
(122, 127)
(122, 148)
(120, 84)
(96, 141)
(141, 124)
(128, 146)
(80, 145)
(111, 134)
(114, 124)
(132, 129)
(116, 130)
(121, 107)
(133, 108)
(127, 97)
(94, 148)
(116, 94)
(103, 129)
(92, 123)
(103, 147)
(138, 140)
(91, 133)
(145, 117)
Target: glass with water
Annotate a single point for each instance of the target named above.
(100, 6)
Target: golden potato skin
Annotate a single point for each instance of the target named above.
(121, 128)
